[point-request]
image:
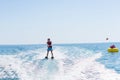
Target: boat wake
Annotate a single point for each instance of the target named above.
(31, 65)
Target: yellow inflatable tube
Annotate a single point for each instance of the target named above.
(113, 50)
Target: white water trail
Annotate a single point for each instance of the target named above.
(31, 65)
(89, 69)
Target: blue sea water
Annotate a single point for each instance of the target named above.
(89, 61)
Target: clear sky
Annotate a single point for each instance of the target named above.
(64, 21)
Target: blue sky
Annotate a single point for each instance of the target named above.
(64, 21)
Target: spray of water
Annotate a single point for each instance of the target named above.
(31, 65)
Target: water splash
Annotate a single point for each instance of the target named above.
(81, 64)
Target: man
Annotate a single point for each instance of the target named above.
(112, 46)
(49, 45)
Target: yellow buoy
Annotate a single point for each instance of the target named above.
(113, 50)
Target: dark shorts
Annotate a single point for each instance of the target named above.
(49, 49)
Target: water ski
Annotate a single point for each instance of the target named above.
(46, 57)
(52, 57)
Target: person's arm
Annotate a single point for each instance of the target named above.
(47, 44)
(51, 43)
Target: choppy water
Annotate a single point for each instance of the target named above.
(72, 62)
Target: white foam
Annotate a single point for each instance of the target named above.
(81, 69)
(89, 69)
(10, 62)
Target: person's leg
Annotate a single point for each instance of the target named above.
(52, 54)
(47, 54)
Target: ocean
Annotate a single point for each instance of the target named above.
(89, 61)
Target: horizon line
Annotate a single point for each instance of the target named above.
(58, 43)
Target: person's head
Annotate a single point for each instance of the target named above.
(48, 39)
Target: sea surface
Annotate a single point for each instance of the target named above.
(89, 61)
